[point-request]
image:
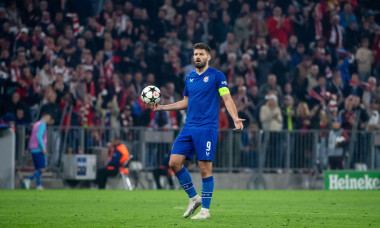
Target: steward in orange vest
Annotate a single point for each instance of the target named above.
(119, 155)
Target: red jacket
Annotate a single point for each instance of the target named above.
(280, 33)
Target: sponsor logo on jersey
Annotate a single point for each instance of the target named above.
(224, 83)
(191, 79)
(205, 79)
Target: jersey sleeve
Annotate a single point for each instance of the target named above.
(221, 84)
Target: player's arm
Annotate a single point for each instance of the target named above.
(231, 108)
(170, 107)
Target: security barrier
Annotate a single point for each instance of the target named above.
(274, 151)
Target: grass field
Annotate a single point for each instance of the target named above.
(92, 208)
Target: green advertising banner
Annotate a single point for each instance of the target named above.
(352, 180)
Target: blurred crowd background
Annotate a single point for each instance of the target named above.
(290, 64)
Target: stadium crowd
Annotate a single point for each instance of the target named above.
(290, 64)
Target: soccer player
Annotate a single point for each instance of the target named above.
(201, 98)
(37, 147)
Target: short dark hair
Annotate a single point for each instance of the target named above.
(45, 114)
(202, 46)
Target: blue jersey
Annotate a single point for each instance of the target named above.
(203, 104)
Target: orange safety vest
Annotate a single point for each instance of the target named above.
(124, 156)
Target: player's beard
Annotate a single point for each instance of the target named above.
(201, 64)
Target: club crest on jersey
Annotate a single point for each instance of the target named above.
(205, 79)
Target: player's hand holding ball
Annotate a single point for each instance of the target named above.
(151, 95)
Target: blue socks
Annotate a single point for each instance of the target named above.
(207, 189)
(37, 174)
(184, 179)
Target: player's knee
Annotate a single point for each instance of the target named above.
(175, 165)
(205, 171)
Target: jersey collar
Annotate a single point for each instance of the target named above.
(198, 75)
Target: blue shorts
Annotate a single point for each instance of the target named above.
(39, 160)
(202, 141)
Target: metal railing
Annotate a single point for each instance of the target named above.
(236, 151)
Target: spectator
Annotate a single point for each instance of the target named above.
(246, 68)
(52, 108)
(376, 48)
(61, 69)
(263, 11)
(225, 27)
(337, 141)
(241, 28)
(369, 91)
(24, 40)
(320, 91)
(364, 59)
(297, 57)
(87, 112)
(353, 116)
(336, 33)
(21, 118)
(263, 64)
(30, 16)
(288, 91)
(299, 83)
(354, 87)
(270, 114)
(374, 117)
(223, 120)
(289, 114)
(272, 121)
(303, 115)
(126, 121)
(230, 67)
(108, 110)
(279, 26)
(258, 27)
(172, 93)
(242, 102)
(271, 85)
(230, 42)
(312, 77)
(336, 87)
(280, 67)
(351, 37)
(347, 16)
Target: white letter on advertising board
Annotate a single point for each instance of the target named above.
(333, 182)
(361, 183)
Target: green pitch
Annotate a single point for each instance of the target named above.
(92, 208)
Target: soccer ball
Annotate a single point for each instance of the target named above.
(151, 94)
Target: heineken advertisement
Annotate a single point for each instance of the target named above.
(352, 180)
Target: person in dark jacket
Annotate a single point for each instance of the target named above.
(52, 108)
